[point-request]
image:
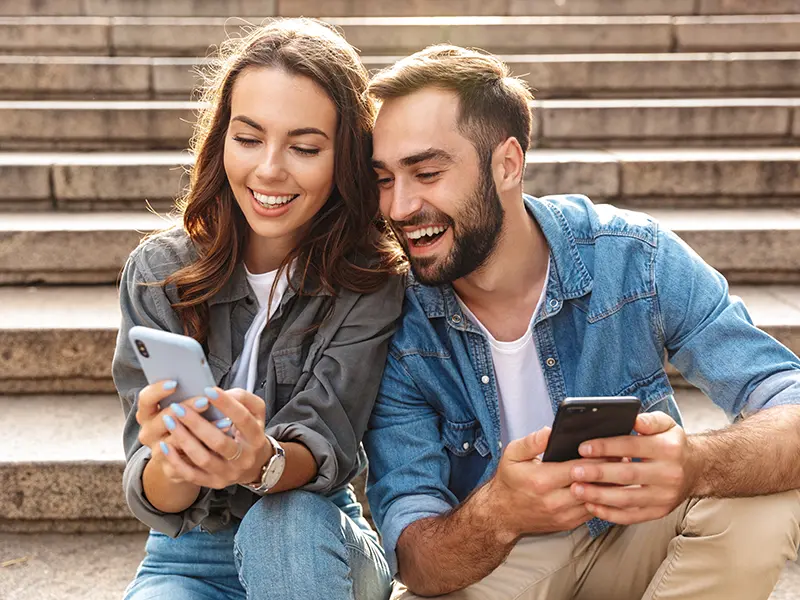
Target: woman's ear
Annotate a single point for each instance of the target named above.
(509, 165)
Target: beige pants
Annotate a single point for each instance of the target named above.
(705, 549)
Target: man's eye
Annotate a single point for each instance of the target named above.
(429, 175)
(246, 142)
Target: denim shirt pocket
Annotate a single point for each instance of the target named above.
(469, 454)
(654, 392)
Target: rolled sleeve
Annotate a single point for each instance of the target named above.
(709, 335)
(403, 513)
(171, 524)
(780, 389)
(409, 467)
(143, 302)
(330, 414)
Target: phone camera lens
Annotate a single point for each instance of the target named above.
(576, 409)
(142, 348)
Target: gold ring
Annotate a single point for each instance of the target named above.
(238, 452)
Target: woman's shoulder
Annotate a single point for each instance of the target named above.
(163, 253)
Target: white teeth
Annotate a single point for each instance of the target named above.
(425, 231)
(272, 200)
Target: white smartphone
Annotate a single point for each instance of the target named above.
(164, 355)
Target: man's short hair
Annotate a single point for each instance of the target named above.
(493, 105)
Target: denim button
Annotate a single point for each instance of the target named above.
(554, 303)
(499, 444)
(465, 445)
(456, 319)
(550, 362)
(485, 379)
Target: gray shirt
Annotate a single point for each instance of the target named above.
(319, 384)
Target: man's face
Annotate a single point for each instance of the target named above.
(435, 191)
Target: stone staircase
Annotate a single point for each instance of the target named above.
(688, 109)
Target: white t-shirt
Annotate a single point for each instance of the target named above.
(246, 366)
(521, 387)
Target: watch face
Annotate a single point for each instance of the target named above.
(274, 470)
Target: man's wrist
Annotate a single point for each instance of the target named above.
(696, 482)
(489, 509)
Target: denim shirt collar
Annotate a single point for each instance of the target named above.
(569, 277)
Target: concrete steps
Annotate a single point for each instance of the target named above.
(61, 339)
(192, 36)
(347, 8)
(70, 480)
(661, 75)
(643, 178)
(70, 248)
(164, 124)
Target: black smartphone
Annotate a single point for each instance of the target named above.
(582, 419)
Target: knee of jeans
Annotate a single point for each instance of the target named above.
(760, 530)
(286, 519)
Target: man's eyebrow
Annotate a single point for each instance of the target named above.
(414, 159)
(292, 133)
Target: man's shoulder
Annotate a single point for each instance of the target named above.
(163, 253)
(587, 221)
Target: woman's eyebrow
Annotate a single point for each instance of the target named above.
(248, 121)
(307, 131)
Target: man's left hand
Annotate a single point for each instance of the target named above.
(626, 492)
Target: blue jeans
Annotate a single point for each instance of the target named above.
(289, 545)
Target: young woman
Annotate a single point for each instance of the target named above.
(282, 271)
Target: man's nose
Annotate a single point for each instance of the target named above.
(405, 202)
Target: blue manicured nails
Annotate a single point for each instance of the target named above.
(169, 422)
(170, 385)
(223, 423)
(164, 448)
(211, 393)
(201, 403)
(178, 409)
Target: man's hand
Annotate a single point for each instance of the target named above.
(531, 496)
(635, 492)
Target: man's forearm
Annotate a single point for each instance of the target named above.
(753, 457)
(439, 555)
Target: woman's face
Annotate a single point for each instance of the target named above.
(279, 152)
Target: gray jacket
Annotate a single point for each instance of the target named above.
(319, 386)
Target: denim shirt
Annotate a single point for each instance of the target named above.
(623, 294)
(319, 369)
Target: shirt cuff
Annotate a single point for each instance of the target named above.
(776, 390)
(171, 524)
(321, 449)
(402, 513)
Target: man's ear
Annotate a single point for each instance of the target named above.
(509, 165)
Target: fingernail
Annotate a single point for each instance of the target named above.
(170, 385)
(223, 423)
(201, 403)
(579, 490)
(164, 448)
(586, 449)
(178, 409)
(169, 422)
(579, 472)
(211, 393)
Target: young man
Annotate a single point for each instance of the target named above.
(516, 303)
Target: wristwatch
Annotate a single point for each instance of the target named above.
(272, 471)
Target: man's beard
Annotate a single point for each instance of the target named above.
(476, 231)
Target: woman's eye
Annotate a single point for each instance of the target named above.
(307, 151)
(384, 181)
(246, 142)
(425, 176)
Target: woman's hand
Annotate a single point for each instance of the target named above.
(199, 452)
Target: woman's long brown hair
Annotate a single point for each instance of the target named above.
(346, 245)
